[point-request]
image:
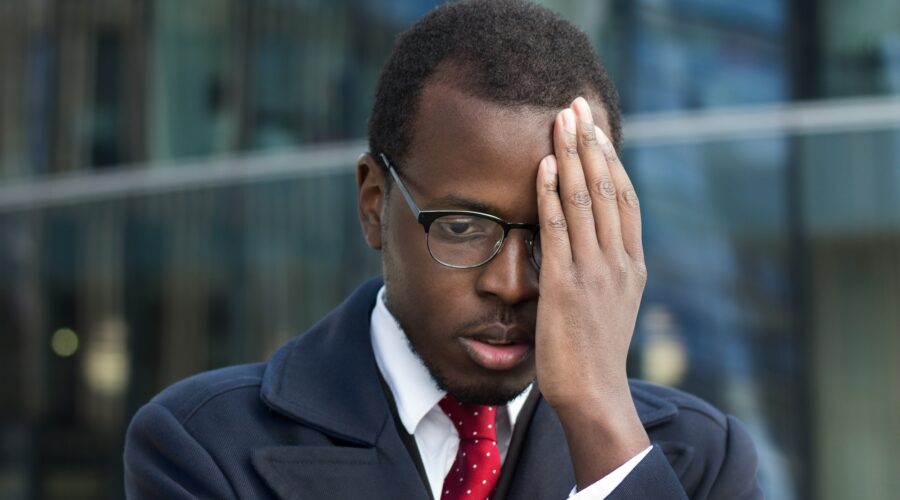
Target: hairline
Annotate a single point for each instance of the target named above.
(466, 83)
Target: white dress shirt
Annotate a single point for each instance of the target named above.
(417, 396)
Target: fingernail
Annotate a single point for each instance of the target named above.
(550, 165)
(569, 120)
(584, 110)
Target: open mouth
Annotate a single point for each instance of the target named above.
(498, 347)
(491, 341)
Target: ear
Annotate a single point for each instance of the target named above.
(370, 198)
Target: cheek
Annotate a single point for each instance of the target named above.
(405, 256)
(404, 252)
(423, 294)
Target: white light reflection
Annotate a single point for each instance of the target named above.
(664, 358)
(106, 358)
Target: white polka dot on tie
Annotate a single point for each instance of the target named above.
(474, 466)
(447, 492)
(484, 481)
(490, 426)
(460, 479)
(474, 433)
(468, 492)
(460, 422)
(464, 453)
(494, 471)
(476, 441)
(488, 454)
(476, 413)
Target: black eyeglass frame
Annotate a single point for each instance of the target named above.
(427, 217)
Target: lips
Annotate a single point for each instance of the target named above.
(498, 347)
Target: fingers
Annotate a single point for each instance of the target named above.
(574, 197)
(596, 199)
(554, 229)
(626, 200)
(599, 180)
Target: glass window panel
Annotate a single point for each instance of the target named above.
(716, 318)
(860, 46)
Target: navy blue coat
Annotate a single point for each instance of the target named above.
(315, 422)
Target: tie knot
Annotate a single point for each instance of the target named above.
(471, 421)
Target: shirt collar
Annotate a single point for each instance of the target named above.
(415, 391)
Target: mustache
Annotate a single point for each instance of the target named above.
(519, 324)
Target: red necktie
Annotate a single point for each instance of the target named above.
(476, 469)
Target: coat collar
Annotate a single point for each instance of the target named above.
(327, 378)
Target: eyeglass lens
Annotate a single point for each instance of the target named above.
(467, 240)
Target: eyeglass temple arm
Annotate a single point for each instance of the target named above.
(403, 191)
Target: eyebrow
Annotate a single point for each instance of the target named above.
(454, 201)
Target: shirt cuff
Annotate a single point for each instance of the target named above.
(602, 488)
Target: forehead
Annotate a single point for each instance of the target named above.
(452, 124)
(465, 146)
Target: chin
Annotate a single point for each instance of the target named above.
(494, 389)
(484, 395)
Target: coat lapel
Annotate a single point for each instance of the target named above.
(327, 380)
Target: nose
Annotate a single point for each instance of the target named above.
(511, 275)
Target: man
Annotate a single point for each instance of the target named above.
(491, 362)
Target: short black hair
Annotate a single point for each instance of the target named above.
(514, 53)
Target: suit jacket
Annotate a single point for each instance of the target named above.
(314, 421)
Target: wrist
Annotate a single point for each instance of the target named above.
(618, 426)
(602, 437)
(587, 400)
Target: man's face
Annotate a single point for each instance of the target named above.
(473, 328)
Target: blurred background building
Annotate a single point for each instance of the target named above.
(176, 194)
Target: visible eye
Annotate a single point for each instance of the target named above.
(460, 227)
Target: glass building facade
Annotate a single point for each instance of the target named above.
(177, 194)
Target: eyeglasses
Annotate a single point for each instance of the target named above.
(463, 239)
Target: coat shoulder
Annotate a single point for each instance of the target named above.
(185, 398)
(686, 406)
(711, 452)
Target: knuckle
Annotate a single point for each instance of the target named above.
(605, 187)
(622, 271)
(630, 198)
(617, 271)
(557, 222)
(609, 152)
(589, 136)
(580, 199)
(551, 186)
(571, 149)
(641, 273)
